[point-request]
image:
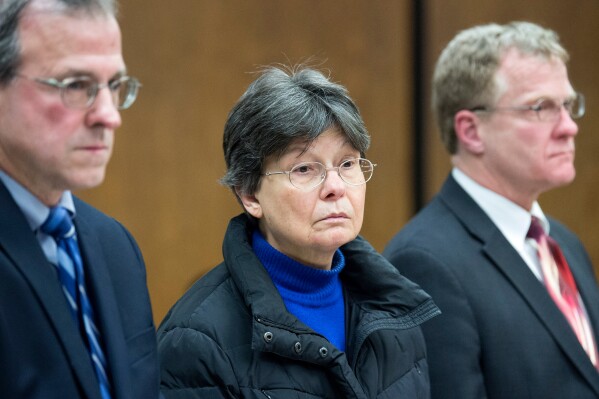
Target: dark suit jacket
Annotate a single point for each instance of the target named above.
(42, 354)
(499, 335)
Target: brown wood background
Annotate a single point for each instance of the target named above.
(196, 57)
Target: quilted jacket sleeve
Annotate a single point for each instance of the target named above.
(194, 366)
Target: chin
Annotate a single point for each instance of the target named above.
(339, 238)
(87, 181)
(561, 180)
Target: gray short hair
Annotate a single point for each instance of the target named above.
(11, 12)
(464, 76)
(284, 105)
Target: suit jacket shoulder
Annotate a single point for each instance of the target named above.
(38, 338)
(499, 334)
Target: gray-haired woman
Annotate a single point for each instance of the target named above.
(301, 307)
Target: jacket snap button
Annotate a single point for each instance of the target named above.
(323, 352)
(297, 347)
(268, 336)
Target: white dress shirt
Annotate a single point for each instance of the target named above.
(512, 220)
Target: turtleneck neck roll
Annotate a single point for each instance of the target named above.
(312, 295)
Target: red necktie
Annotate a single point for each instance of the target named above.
(562, 287)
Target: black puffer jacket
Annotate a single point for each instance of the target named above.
(230, 335)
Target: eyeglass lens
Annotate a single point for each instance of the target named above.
(310, 174)
(549, 110)
(82, 92)
(576, 106)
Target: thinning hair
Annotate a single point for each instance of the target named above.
(11, 13)
(281, 107)
(465, 74)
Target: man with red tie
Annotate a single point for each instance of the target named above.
(519, 299)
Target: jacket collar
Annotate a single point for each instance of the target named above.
(367, 277)
(252, 279)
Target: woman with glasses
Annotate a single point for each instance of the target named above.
(301, 307)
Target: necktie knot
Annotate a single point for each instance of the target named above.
(536, 230)
(58, 224)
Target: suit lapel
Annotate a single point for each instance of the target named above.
(101, 291)
(21, 246)
(515, 270)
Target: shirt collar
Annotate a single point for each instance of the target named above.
(511, 219)
(34, 210)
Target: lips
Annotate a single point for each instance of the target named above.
(93, 147)
(567, 153)
(334, 216)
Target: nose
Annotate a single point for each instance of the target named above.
(566, 125)
(332, 186)
(103, 111)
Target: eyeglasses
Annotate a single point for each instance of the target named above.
(547, 110)
(81, 91)
(307, 175)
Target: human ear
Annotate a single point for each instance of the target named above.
(250, 203)
(467, 128)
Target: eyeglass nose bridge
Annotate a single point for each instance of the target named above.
(94, 90)
(575, 108)
(325, 173)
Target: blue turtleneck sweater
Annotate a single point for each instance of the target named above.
(312, 295)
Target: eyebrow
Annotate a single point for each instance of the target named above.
(80, 72)
(555, 99)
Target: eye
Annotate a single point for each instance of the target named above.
(78, 84)
(348, 163)
(545, 105)
(308, 168)
(115, 85)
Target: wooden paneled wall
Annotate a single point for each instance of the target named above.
(195, 58)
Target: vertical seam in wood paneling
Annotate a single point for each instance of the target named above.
(418, 150)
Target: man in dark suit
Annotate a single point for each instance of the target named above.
(506, 112)
(75, 315)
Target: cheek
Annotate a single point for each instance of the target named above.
(360, 217)
(46, 107)
(299, 208)
(358, 201)
(37, 123)
(282, 206)
(62, 121)
(297, 213)
(50, 122)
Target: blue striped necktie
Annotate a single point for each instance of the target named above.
(70, 273)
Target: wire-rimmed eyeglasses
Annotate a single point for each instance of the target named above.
(81, 91)
(547, 110)
(307, 175)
